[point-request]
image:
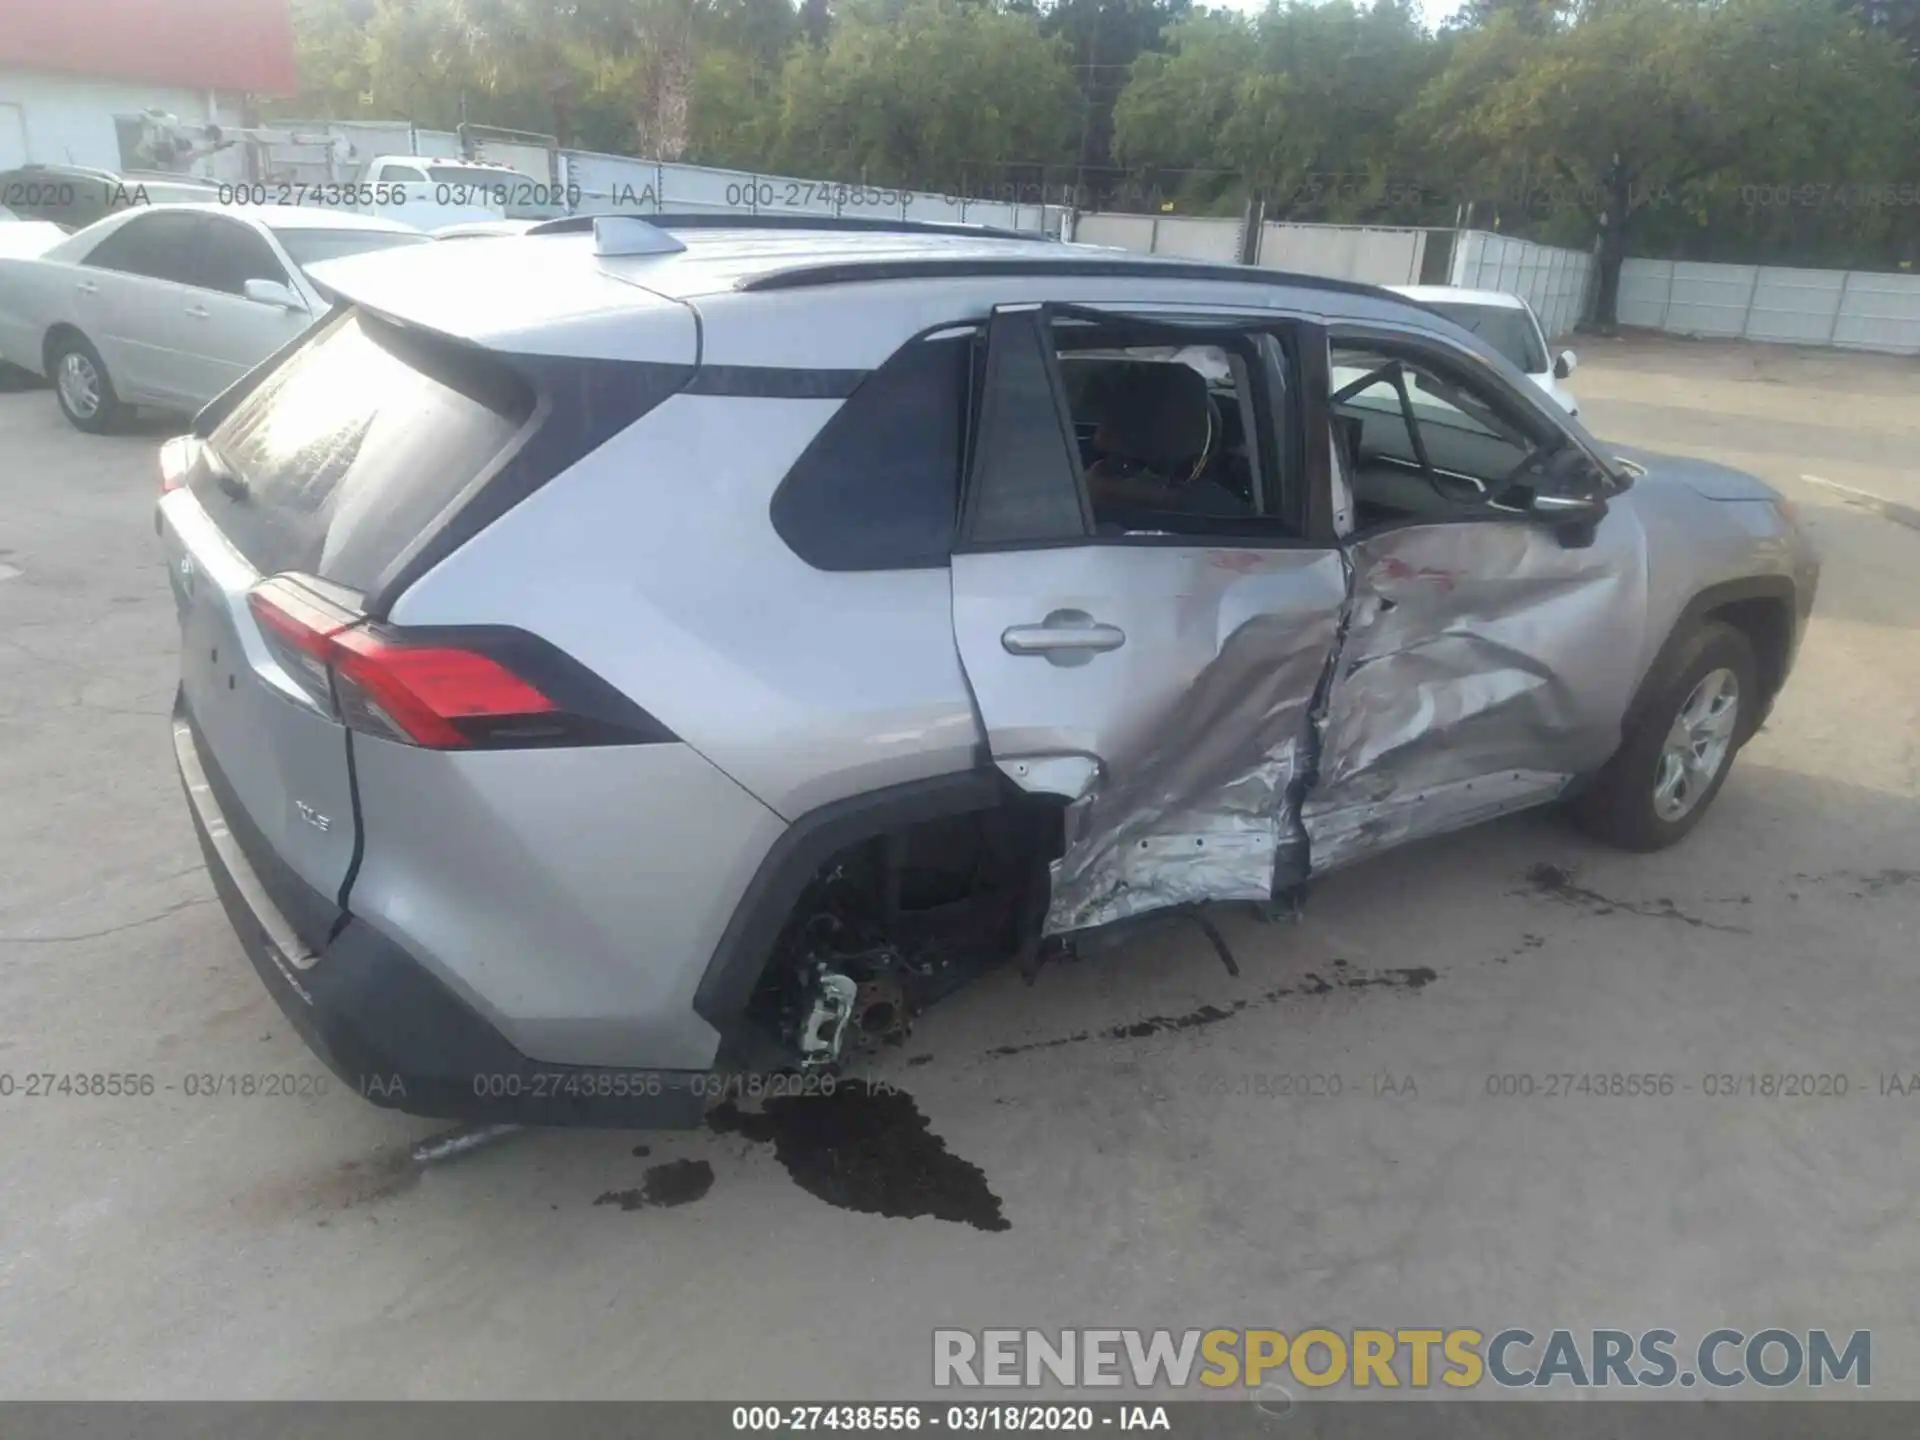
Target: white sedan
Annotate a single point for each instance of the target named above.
(167, 305)
(1508, 324)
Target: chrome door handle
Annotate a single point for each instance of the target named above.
(199, 312)
(1062, 631)
(87, 287)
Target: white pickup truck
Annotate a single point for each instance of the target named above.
(431, 193)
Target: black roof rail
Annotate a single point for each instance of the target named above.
(1071, 262)
(871, 224)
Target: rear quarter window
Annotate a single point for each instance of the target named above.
(879, 487)
(354, 447)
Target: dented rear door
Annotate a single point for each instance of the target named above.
(1161, 684)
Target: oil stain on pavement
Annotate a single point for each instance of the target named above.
(866, 1147)
(678, 1182)
(1414, 977)
(1556, 882)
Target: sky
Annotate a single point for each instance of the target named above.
(1432, 12)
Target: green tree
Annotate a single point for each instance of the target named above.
(1640, 105)
(1105, 37)
(1301, 102)
(734, 119)
(927, 93)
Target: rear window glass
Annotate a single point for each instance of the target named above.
(310, 247)
(354, 447)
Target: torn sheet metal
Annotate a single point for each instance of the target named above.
(1484, 665)
(1204, 805)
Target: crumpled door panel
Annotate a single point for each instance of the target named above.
(1484, 665)
(1203, 803)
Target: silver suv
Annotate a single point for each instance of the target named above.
(629, 649)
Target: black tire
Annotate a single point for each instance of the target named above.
(110, 412)
(1619, 806)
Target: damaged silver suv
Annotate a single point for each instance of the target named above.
(627, 649)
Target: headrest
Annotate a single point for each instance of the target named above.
(1154, 413)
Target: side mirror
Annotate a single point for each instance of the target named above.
(1565, 364)
(272, 292)
(1568, 491)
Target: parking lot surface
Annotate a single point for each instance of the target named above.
(1125, 1140)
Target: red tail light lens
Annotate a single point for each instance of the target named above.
(421, 693)
(299, 630)
(442, 697)
(176, 458)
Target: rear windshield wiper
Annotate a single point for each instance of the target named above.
(232, 485)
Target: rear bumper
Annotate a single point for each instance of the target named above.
(387, 1028)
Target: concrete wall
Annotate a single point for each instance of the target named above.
(1851, 309)
(64, 120)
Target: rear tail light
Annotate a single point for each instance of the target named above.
(434, 695)
(176, 459)
(441, 690)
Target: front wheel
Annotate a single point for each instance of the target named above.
(81, 386)
(1677, 749)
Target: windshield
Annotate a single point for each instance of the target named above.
(310, 247)
(1510, 331)
(474, 175)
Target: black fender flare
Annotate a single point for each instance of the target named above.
(1780, 588)
(793, 860)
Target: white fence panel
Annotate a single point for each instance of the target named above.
(533, 161)
(1853, 309)
(1376, 255)
(1125, 232)
(1879, 312)
(1645, 286)
(1795, 307)
(611, 182)
(648, 187)
(1710, 300)
(1193, 238)
(1551, 279)
(354, 143)
(371, 138)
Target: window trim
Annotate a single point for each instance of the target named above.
(1527, 413)
(1231, 328)
(1034, 317)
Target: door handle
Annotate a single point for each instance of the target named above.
(199, 312)
(87, 287)
(1063, 632)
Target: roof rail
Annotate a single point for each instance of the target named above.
(1072, 262)
(873, 224)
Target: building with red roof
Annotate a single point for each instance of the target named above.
(74, 72)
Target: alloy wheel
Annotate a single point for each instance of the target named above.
(79, 384)
(1697, 745)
